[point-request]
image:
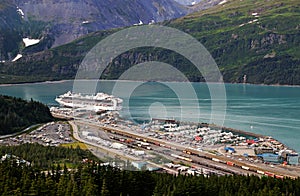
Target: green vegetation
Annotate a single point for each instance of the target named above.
(10, 28)
(44, 157)
(60, 171)
(17, 114)
(75, 145)
(260, 39)
(92, 179)
(13, 28)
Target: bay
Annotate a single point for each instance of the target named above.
(267, 110)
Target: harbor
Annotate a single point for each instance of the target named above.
(171, 145)
(173, 140)
(185, 145)
(165, 145)
(264, 110)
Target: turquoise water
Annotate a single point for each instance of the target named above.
(268, 110)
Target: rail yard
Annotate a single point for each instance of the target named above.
(185, 148)
(167, 145)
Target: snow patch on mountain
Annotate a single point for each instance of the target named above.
(20, 11)
(30, 42)
(140, 23)
(222, 2)
(17, 57)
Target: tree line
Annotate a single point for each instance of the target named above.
(43, 157)
(50, 174)
(92, 179)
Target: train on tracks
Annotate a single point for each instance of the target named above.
(237, 165)
(195, 152)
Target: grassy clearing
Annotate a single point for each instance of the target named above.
(75, 145)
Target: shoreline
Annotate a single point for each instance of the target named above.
(240, 132)
(33, 83)
(247, 134)
(87, 80)
(274, 85)
(68, 80)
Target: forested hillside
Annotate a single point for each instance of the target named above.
(44, 157)
(260, 39)
(92, 179)
(17, 114)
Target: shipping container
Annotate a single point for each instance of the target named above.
(260, 172)
(279, 176)
(216, 160)
(269, 174)
(245, 167)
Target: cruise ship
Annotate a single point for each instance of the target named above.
(97, 103)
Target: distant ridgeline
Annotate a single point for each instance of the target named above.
(17, 114)
(256, 39)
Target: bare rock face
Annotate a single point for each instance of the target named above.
(10, 28)
(70, 19)
(188, 2)
(57, 22)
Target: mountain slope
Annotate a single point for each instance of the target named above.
(188, 2)
(57, 22)
(10, 28)
(260, 39)
(71, 19)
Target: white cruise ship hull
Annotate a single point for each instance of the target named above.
(91, 103)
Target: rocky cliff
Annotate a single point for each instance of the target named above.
(70, 19)
(260, 40)
(188, 2)
(10, 28)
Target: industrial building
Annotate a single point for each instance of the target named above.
(293, 159)
(270, 158)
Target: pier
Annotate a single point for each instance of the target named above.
(177, 140)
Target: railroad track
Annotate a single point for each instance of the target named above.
(195, 161)
(238, 167)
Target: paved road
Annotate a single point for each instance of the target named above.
(18, 133)
(217, 166)
(286, 171)
(129, 157)
(276, 170)
(114, 151)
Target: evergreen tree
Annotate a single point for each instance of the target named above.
(104, 189)
(92, 179)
